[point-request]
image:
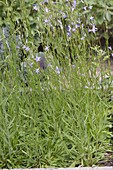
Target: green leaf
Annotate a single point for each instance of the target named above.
(100, 20)
(108, 16)
(1, 22)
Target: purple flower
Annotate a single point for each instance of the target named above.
(90, 7)
(110, 48)
(37, 70)
(37, 59)
(74, 5)
(26, 48)
(94, 29)
(47, 48)
(73, 29)
(82, 38)
(18, 47)
(73, 66)
(46, 10)
(68, 28)
(69, 34)
(57, 70)
(77, 25)
(35, 8)
(49, 65)
(31, 64)
(64, 15)
(85, 8)
(91, 18)
(46, 21)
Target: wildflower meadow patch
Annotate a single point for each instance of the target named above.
(56, 83)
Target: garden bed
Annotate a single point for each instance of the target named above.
(56, 97)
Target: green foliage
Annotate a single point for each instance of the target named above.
(101, 10)
(54, 123)
(60, 116)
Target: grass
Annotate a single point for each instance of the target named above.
(59, 117)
